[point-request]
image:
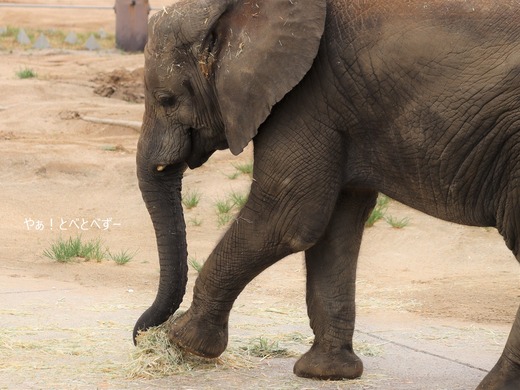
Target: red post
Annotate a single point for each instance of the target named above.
(131, 24)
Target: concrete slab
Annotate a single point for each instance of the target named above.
(63, 334)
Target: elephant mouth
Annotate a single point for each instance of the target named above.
(195, 161)
(203, 145)
(198, 150)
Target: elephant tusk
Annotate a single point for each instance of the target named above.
(160, 168)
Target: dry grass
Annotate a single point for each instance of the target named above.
(264, 348)
(155, 357)
(57, 349)
(368, 349)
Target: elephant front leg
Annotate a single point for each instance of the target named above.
(262, 234)
(331, 276)
(505, 375)
(203, 329)
(288, 210)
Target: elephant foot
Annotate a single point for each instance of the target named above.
(329, 364)
(199, 337)
(504, 376)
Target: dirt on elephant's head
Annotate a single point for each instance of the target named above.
(121, 84)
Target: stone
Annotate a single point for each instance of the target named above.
(42, 42)
(23, 38)
(92, 44)
(71, 38)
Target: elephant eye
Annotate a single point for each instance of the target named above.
(166, 100)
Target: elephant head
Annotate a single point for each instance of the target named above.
(213, 71)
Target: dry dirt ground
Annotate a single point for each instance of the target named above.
(435, 300)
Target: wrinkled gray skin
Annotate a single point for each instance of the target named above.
(414, 98)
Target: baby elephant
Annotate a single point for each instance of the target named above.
(419, 99)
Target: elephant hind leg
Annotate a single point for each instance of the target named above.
(331, 277)
(505, 375)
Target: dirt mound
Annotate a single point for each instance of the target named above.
(121, 84)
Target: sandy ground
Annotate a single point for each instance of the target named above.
(435, 300)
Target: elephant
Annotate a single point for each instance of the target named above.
(341, 99)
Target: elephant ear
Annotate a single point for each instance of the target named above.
(265, 48)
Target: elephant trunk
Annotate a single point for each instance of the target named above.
(161, 191)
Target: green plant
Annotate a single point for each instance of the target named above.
(224, 206)
(191, 199)
(245, 168)
(65, 251)
(91, 250)
(26, 73)
(397, 223)
(224, 214)
(379, 210)
(239, 200)
(224, 219)
(113, 148)
(263, 348)
(195, 222)
(122, 257)
(195, 264)
(55, 37)
(11, 32)
(234, 175)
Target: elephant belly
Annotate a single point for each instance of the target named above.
(462, 182)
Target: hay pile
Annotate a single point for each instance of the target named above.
(155, 357)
